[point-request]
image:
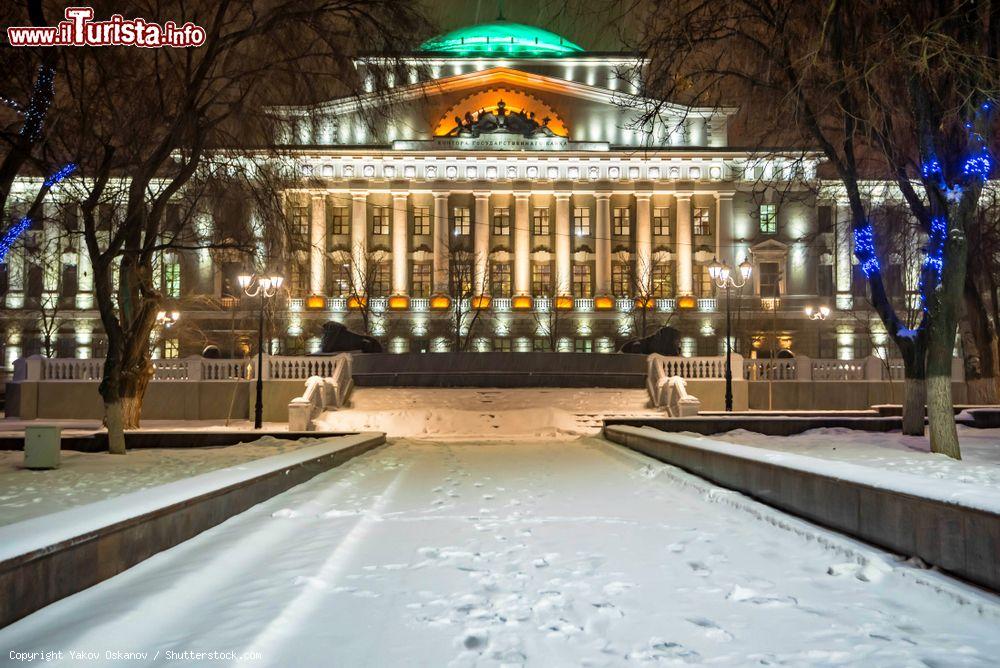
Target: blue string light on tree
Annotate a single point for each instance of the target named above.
(60, 175)
(931, 167)
(38, 106)
(12, 236)
(864, 249)
(978, 165)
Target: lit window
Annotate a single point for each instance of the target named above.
(500, 279)
(663, 280)
(380, 280)
(171, 348)
(299, 222)
(421, 284)
(460, 279)
(620, 221)
(461, 221)
(540, 222)
(541, 278)
(501, 221)
(581, 221)
(172, 279)
(421, 220)
(582, 285)
(583, 346)
(340, 279)
(380, 220)
(703, 281)
(768, 219)
(770, 280)
(502, 345)
(340, 220)
(620, 283)
(702, 224)
(661, 221)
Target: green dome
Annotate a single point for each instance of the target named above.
(501, 38)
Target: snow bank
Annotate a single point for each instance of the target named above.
(946, 491)
(891, 451)
(40, 532)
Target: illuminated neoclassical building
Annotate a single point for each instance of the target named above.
(514, 182)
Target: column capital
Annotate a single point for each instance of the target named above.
(397, 194)
(563, 195)
(602, 195)
(482, 194)
(317, 194)
(521, 194)
(725, 194)
(686, 195)
(359, 194)
(642, 195)
(439, 194)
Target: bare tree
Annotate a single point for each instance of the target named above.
(464, 289)
(165, 117)
(902, 90)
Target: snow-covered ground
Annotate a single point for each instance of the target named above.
(891, 451)
(468, 413)
(85, 477)
(538, 553)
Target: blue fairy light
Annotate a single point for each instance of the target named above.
(864, 249)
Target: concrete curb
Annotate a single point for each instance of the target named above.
(961, 539)
(61, 564)
(769, 425)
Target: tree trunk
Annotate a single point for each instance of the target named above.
(914, 401)
(979, 340)
(115, 426)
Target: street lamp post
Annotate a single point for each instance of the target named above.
(265, 287)
(722, 277)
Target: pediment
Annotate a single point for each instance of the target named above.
(769, 248)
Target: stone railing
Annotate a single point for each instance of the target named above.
(328, 392)
(700, 367)
(501, 303)
(38, 368)
(806, 368)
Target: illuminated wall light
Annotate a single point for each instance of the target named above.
(440, 344)
(481, 344)
(522, 344)
(378, 324)
(313, 344)
(583, 328)
(603, 303)
(356, 303)
(440, 302)
(419, 327)
(399, 344)
(501, 327)
(399, 303)
(625, 325)
(564, 344)
(294, 326)
(564, 303)
(315, 302)
(605, 345)
(689, 346)
(521, 303)
(707, 329)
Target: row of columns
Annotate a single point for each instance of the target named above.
(441, 241)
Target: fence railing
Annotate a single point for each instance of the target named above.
(807, 368)
(39, 368)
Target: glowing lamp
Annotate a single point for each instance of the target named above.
(440, 302)
(356, 303)
(686, 301)
(604, 303)
(399, 303)
(645, 302)
(564, 303)
(315, 302)
(521, 303)
(481, 302)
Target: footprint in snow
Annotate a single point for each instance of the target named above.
(699, 568)
(284, 513)
(747, 595)
(712, 630)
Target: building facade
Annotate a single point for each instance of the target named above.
(519, 195)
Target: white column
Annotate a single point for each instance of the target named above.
(317, 246)
(359, 238)
(441, 242)
(643, 243)
(563, 252)
(685, 267)
(481, 237)
(724, 233)
(400, 246)
(602, 233)
(844, 242)
(522, 244)
(15, 276)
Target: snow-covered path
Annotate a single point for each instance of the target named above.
(541, 553)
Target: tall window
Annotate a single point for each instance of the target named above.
(299, 224)
(620, 221)
(661, 221)
(461, 221)
(581, 221)
(420, 286)
(620, 284)
(381, 284)
(824, 219)
(501, 221)
(340, 220)
(540, 222)
(583, 286)
(702, 224)
(380, 220)
(172, 279)
(663, 280)
(703, 281)
(768, 219)
(421, 220)
(541, 278)
(460, 278)
(770, 280)
(339, 279)
(500, 279)
(583, 346)
(171, 349)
